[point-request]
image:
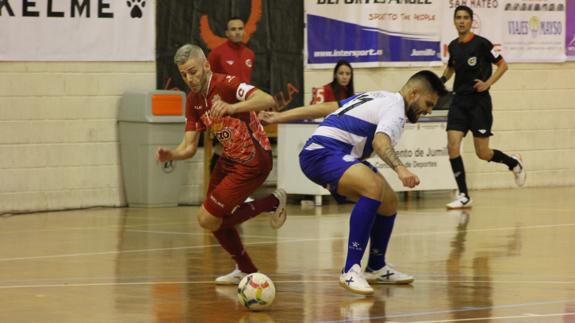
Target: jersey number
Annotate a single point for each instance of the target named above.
(356, 102)
(318, 96)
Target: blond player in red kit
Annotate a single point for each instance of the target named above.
(227, 107)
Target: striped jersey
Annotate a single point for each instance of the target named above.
(353, 126)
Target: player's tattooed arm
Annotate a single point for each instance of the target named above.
(384, 149)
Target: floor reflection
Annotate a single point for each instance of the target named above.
(499, 260)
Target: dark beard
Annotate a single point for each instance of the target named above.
(411, 114)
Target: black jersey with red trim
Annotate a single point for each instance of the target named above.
(471, 59)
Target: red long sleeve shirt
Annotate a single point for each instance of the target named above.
(233, 59)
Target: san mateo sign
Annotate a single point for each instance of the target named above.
(77, 30)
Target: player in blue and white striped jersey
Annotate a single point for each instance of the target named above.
(334, 157)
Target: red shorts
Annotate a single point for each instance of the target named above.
(232, 182)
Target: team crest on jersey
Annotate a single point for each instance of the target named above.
(249, 63)
(472, 61)
(229, 79)
(224, 135)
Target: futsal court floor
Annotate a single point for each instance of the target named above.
(511, 258)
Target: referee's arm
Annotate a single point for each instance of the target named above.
(501, 69)
(447, 73)
(481, 86)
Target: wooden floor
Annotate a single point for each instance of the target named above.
(511, 258)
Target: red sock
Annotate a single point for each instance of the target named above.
(230, 240)
(249, 210)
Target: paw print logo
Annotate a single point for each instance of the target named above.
(136, 12)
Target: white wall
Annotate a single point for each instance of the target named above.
(59, 138)
(58, 132)
(534, 115)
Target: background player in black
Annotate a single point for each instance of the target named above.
(471, 58)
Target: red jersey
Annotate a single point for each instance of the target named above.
(325, 94)
(239, 134)
(233, 59)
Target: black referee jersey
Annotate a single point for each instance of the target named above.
(471, 59)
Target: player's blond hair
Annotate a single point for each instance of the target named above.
(187, 51)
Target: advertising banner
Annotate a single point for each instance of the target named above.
(372, 33)
(534, 31)
(77, 30)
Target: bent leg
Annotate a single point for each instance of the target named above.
(380, 234)
(482, 149)
(229, 186)
(492, 155)
(382, 228)
(226, 200)
(230, 240)
(361, 183)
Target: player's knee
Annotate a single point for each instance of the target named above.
(484, 154)
(389, 205)
(453, 148)
(373, 189)
(208, 221)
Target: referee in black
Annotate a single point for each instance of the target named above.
(471, 58)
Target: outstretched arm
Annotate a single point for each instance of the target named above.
(302, 113)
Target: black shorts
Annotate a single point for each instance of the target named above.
(471, 112)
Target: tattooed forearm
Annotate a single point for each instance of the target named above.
(390, 158)
(384, 149)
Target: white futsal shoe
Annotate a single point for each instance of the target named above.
(462, 201)
(519, 171)
(388, 275)
(354, 281)
(279, 216)
(232, 278)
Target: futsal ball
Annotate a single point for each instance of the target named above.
(256, 292)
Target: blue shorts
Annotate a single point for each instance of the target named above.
(325, 166)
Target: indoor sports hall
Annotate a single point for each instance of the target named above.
(102, 221)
